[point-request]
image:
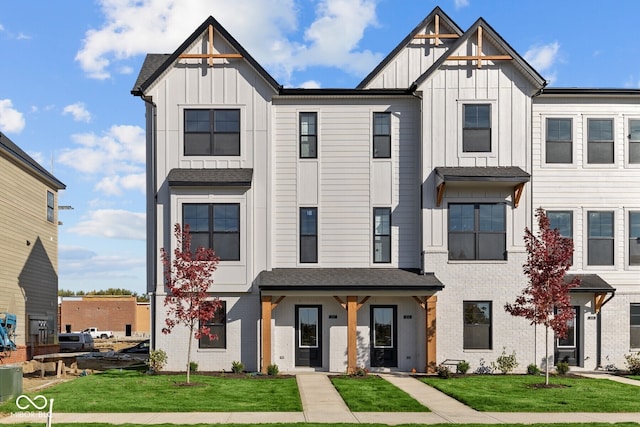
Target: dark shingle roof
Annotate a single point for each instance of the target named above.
(496, 173)
(152, 62)
(589, 283)
(347, 279)
(20, 156)
(209, 177)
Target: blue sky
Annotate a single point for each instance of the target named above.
(68, 68)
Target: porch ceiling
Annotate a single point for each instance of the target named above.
(348, 279)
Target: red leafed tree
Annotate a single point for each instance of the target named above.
(545, 300)
(188, 277)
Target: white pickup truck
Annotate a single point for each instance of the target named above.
(95, 333)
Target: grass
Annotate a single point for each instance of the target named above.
(130, 391)
(512, 393)
(373, 394)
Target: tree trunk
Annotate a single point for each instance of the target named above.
(546, 355)
(189, 354)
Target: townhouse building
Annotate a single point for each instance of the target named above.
(381, 226)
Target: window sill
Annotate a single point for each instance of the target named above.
(479, 261)
(477, 350)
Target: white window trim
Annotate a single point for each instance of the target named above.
(627, 142)
(585, 141)
(627, 230)
(494, 128)
(575, 119)
(585, 240)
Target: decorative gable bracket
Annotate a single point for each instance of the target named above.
(479, 57)
(210, 56)
(436, 36)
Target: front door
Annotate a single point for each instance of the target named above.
(384, 350)
(568, 349)
(309, 335)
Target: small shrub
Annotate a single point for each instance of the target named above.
(360, 371)
(633, 363)
(462, 367)
(273, 369)
(237, 367)
(157, 360)
(193, 366)
(562, 368)
(443, 371)
(483, 369)
(533, 369)
(506, 363)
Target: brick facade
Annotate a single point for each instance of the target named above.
(119, 314)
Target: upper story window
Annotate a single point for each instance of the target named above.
(214, 132)
(559, 143)
(477, 231)
(600, 141)
(308, 135)
(476, 134)
(601, 242)
(563, 221)
(634, 238)
(308, 235)
(634, 141)
(218, 327)
(215, 226)
(382, 235)
(381, 135)
(50, 206)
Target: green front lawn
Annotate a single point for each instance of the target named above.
(130, 391)
(513, 393)
(373, 394)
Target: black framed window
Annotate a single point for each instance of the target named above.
(215, 226)
(51, 200)
(559, 143)
(634, 238)
(308, 135)
(477, 231)
(601, 241)
(381, 235)
(308, 235)
(476, 133)
(634, 141)
(600, 141)
(634, 323)
(214, 132)
(563, 221)
(381, 135)
(217, 326)
(477, 325)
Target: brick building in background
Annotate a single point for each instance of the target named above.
(121, 314)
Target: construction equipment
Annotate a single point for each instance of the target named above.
(8, 324)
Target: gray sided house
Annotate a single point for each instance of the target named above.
(382, 226)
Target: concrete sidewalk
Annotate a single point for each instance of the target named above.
(322, 404)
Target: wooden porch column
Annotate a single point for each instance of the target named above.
(431, 333)
(266, 332)
(352, 323)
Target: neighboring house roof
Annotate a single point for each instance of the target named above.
(589, 283)
(210, 177)
(405, 42)
(18, 155)
(337, 279)
(494, 174)
(488, 31)
(155, 65)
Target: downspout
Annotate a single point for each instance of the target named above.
(151, 222)
(412, 89)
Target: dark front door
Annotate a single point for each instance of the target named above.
(568, 349)
(308, 335)
(384, 342)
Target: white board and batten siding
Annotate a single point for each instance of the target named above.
(234, 84)
(345, 183)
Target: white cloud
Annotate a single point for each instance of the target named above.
(11, 120)
(37, 156)
(263, 27)
(310, 84)
(459, 4)
(78, 111)
(78, 262)
(542, 58)
(112, 224)
(118, 155)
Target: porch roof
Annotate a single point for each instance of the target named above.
(343, 279)
(231, 177)
(590, 283)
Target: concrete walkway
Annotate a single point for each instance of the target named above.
(322, 404)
